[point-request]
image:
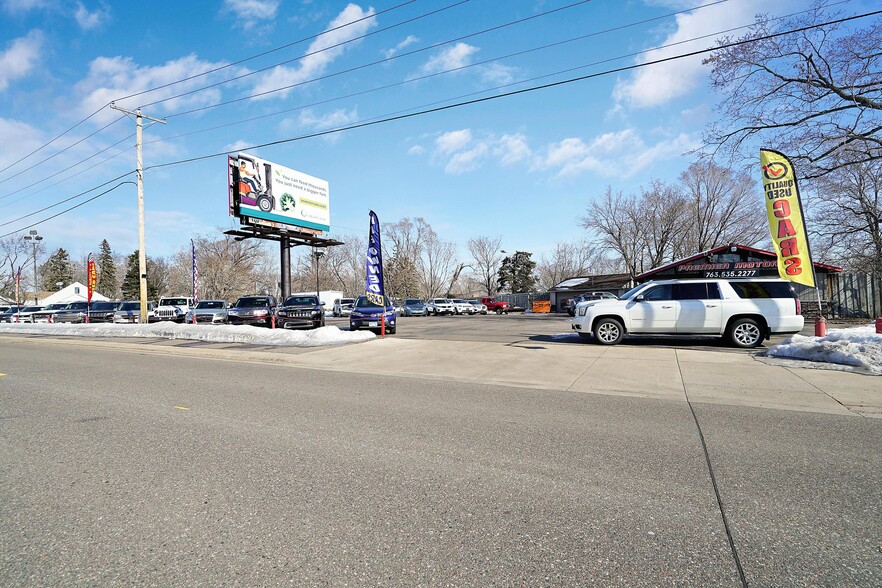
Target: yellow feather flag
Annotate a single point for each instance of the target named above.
(786, 220)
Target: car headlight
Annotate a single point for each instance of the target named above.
(356, 314)
(581, 310)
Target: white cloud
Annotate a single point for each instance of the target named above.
(511, 149)
(18, 138)
(239, 145)
(112, 77)
(452, 141)
(658, 84)
(416, 150)
(20, 6)
(321, 52)
(497, 73)
(460, 55)
(91, 20)
(409, 40)
(619, 154)
(20, 58)
(251, 13)
(468, 160)
(336, 118)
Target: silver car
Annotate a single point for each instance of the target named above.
(209, 311)
(130, 312)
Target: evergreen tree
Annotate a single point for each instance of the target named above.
(58, 268)
(131, 286)
(106, 271)
(516, 273)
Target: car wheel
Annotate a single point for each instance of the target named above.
(498, 311)
(608, 331)
(391, 331)
(745, 333)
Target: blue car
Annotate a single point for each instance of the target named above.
(414, 307)
(367, 315)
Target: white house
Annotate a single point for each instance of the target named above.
(76, 292)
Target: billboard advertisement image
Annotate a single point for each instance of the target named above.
(262, 192)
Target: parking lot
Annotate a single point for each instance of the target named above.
(525, 327)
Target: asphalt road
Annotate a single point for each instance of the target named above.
(125, 468)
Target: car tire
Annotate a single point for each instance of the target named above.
(608, 331)
(745, 333)
(391, 331)
(498, 311)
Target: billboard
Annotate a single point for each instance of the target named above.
(262, 192)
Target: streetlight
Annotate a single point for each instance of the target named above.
(317, 255)
(34, 237)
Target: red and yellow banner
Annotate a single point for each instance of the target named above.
(786, 221)
(92, 277)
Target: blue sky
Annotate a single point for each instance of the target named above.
(523, 167)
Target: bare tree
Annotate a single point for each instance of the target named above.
(437, 264)
(720, 207)
(228, 269)
(661, 210)
(816, 94)
(615, 221)
(568, 260)
(485, 252)
(848, 219)
(16, 253)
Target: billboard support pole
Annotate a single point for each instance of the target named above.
(142, 253)
(285, 252)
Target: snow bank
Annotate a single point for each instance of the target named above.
(210, 333)
(859, 346)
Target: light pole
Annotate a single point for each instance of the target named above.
(317, 255)
(34, 238)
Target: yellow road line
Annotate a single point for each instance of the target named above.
(182, 408)
(2, 374)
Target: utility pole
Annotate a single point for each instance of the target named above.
(33, 236)
(142, 246)
(317, 255)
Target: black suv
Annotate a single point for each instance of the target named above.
(301, 311)
(253, 310)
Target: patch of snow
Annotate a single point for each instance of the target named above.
(211, 333)
(858, 346)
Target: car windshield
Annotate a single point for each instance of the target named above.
(458, 301)
(301, 301)
(104, 306)
(413, 301)
(55, 307)
(633, 291)
(77, 306)
(349, 301)
(211, 304)
(31, 308)
(173, 301)
(363, 302)
(130, 306)
(255, 302)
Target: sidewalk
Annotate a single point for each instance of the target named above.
(718, 377)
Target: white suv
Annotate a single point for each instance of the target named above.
(745, 311)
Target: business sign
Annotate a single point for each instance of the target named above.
(264, 191)
(373, 270)
(786, 221)
(729, 269)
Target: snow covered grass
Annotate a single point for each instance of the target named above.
(210, 333)
(859, 346)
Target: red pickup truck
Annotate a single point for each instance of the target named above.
(494, 305)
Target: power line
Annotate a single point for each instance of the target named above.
(490, 98)
(304, 56)
(479, 63)
(267, 52)
(69, 209)
(522, 91)
(186, 79)
(497, 27)
(378, 62)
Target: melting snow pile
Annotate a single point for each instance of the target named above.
(860, 346)
(209, 333)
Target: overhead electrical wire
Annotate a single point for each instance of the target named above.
(490, 98)
(377, 62)
(204, 73)
(504, 25)
(304, 56)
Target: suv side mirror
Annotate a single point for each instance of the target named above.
(639, 298)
